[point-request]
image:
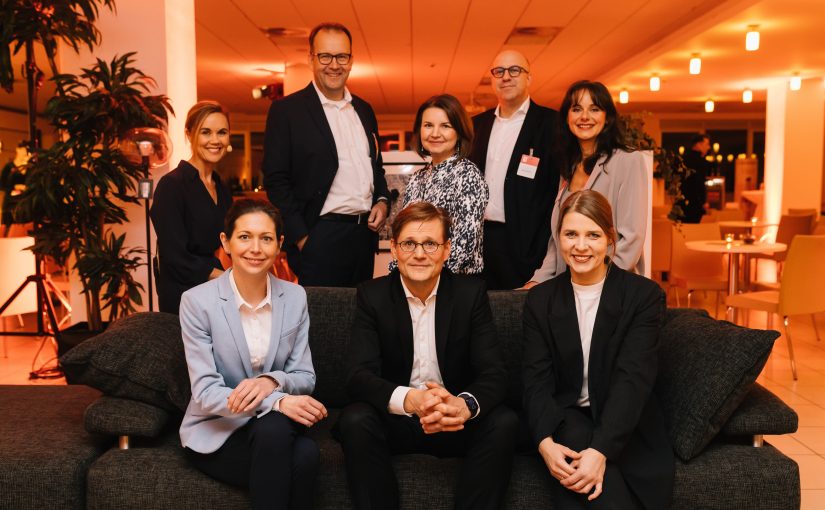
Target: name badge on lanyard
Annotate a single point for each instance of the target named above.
(528, 165)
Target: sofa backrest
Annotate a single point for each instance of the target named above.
(331, 313)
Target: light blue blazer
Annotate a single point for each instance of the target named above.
(218, 357)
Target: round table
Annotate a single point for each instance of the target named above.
(734, 249)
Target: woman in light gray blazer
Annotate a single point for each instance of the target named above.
(595, 156)
(245, 334)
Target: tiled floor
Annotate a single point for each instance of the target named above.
(806, 396)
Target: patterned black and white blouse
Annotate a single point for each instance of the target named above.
(457, 185)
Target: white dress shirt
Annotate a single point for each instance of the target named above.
(425, 357)
(352, 187)
(503, 139)
(587, 304)
(256, 322)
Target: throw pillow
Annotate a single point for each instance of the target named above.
(706, 368)
(139, 357)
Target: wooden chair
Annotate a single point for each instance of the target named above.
(693, 270)
(799, 291)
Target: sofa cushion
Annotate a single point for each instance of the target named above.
(706, 368)
(761, 412)
(331, 313)
(139, 357)
(507, 307)
(44, 451)
(115, 416)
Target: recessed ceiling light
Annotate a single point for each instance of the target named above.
(796, 82)
(752, 38)
(709, 106)
(747, 96)
(624, 96)
(655, 83)
(695, 64)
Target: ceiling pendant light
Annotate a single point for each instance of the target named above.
(624, 96)
(747, 96)
(796, 82)
(655, 83)
(752, 38)
(709, 106)
(695, 64)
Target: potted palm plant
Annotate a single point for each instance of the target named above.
(75, 189)
(669, 164)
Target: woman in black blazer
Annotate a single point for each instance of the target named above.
(189, 206)
(590, 362)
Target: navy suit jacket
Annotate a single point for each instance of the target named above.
(528, 203)
(301, 160)
(218, 357)
(381, 350)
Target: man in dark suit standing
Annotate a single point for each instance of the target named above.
(693, 187)
(426, 373)
(322, 168)
(513, 148)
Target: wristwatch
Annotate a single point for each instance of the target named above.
(472, 404)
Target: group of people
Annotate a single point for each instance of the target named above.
(521, 196)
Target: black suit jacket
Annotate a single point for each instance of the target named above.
(188, 225)
(381, 348)
(300, 158)
(629, 426)
(528, 203)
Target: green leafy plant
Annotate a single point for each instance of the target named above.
(46, 22)
(669, 165)
(77, 187)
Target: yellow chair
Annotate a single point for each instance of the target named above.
(790, 226)
(694, 270)
(800, 290)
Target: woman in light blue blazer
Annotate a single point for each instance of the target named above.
(594, 156)
(250, 368)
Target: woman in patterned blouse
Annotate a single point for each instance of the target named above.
(443, 131)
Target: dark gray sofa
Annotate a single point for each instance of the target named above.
(716, 417)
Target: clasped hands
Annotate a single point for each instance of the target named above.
(437, 409)
(249, 394)
(584, 473)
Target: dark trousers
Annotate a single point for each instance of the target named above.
(576, 433)
(502, 267)
(336, 254)
(271, 457)
(369, 439)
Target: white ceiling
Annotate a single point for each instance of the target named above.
(408, 50)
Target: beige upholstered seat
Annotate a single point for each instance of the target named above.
(694, 270)
(800, 290)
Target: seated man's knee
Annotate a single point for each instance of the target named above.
(357, 420)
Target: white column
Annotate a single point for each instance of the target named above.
(162, 32)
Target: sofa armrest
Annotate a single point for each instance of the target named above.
(761, 412)
(115, 416)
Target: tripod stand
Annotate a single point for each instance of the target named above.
(44, 303)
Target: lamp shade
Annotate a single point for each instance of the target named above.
(151, 142)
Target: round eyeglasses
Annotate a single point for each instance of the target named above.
(427, 246)
(326, 58)
(513, 71)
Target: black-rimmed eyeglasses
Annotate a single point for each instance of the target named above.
(326, 58)
(427, 246)
(513, 71)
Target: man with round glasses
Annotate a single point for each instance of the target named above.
(513, 149)
(426, 373)
(322, 168)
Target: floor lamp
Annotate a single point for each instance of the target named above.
(150, 148)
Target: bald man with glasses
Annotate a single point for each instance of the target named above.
(322, 168)
(513, 148)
